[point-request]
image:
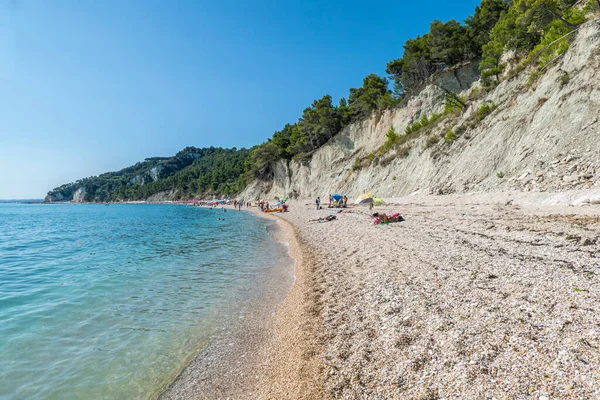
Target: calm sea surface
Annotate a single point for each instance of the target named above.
(110, 302)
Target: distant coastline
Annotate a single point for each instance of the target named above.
(21, 201)
(110, 202)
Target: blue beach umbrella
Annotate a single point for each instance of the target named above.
(336, 197)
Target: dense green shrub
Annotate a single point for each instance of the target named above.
(392, 138)
(484, 110)
(533, 30)
(422, 123)
(446, 44)
(450, 136)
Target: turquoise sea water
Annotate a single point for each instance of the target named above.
(110, 302)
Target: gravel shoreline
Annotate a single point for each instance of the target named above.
(472, 297)
(468, 298)
(232, 365)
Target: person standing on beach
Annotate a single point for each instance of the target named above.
(318, 201)
(330, 200)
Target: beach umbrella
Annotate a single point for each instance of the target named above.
(336, 197)
(365, 200)
(283, 199)
(372, 199)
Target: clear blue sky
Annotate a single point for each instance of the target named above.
(93, 86)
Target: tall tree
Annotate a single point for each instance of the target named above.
(448, 44)
(373, 93)
(481, 23)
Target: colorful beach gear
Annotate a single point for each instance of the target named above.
(368, 198)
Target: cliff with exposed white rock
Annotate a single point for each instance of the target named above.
(192, 172)
(541, 136)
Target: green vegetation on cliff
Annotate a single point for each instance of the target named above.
(318, 124)
(527, 29)
(526, 32)
(192, 171)
(445, 45)
(532, 30)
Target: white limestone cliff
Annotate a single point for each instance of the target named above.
(544, 137)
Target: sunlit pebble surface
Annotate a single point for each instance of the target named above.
(460, 301)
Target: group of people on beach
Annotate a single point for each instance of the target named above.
(263, 205)
(342, 202)
(238, 204)
(280, 206)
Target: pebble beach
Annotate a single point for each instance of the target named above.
(471, 297)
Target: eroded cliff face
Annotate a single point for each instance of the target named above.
(54, 198)
(540, 137)
(153, 175)
(79, 195)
